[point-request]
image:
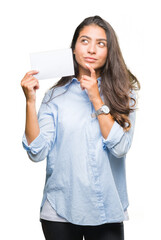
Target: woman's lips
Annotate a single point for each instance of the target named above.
(90, 59)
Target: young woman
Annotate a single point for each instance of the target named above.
(84, 127)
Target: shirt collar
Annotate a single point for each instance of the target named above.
(76, 80)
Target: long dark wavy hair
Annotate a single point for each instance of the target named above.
(117, 81)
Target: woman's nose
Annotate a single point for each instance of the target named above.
(91, 48)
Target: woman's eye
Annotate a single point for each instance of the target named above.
(84, 41)
(101, 44)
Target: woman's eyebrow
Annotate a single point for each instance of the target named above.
(98, 39)
(101, 39)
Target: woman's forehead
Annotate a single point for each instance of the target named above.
(93, 31)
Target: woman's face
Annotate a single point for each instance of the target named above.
(91, 48)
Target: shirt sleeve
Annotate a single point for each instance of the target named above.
(41, 145)
(118, 141)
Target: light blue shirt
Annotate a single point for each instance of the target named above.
(85, 173)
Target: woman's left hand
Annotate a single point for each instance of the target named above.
(90, 84)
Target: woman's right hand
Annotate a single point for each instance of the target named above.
(29, 85)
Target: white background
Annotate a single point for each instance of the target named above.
(30, 26)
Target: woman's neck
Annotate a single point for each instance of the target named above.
(87, 72)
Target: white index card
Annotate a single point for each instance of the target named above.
(51, 64)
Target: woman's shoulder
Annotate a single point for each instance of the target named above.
(52, 93)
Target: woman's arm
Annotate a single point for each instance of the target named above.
(40, 129)
(32, 129)
(90, 84)
(115, 139)
(105, 121)
(29, 85)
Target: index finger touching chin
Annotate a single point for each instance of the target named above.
(93, 73)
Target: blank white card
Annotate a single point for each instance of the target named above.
(51, 64)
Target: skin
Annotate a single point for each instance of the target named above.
(29, 85)
(91, 48)
(90, 53)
